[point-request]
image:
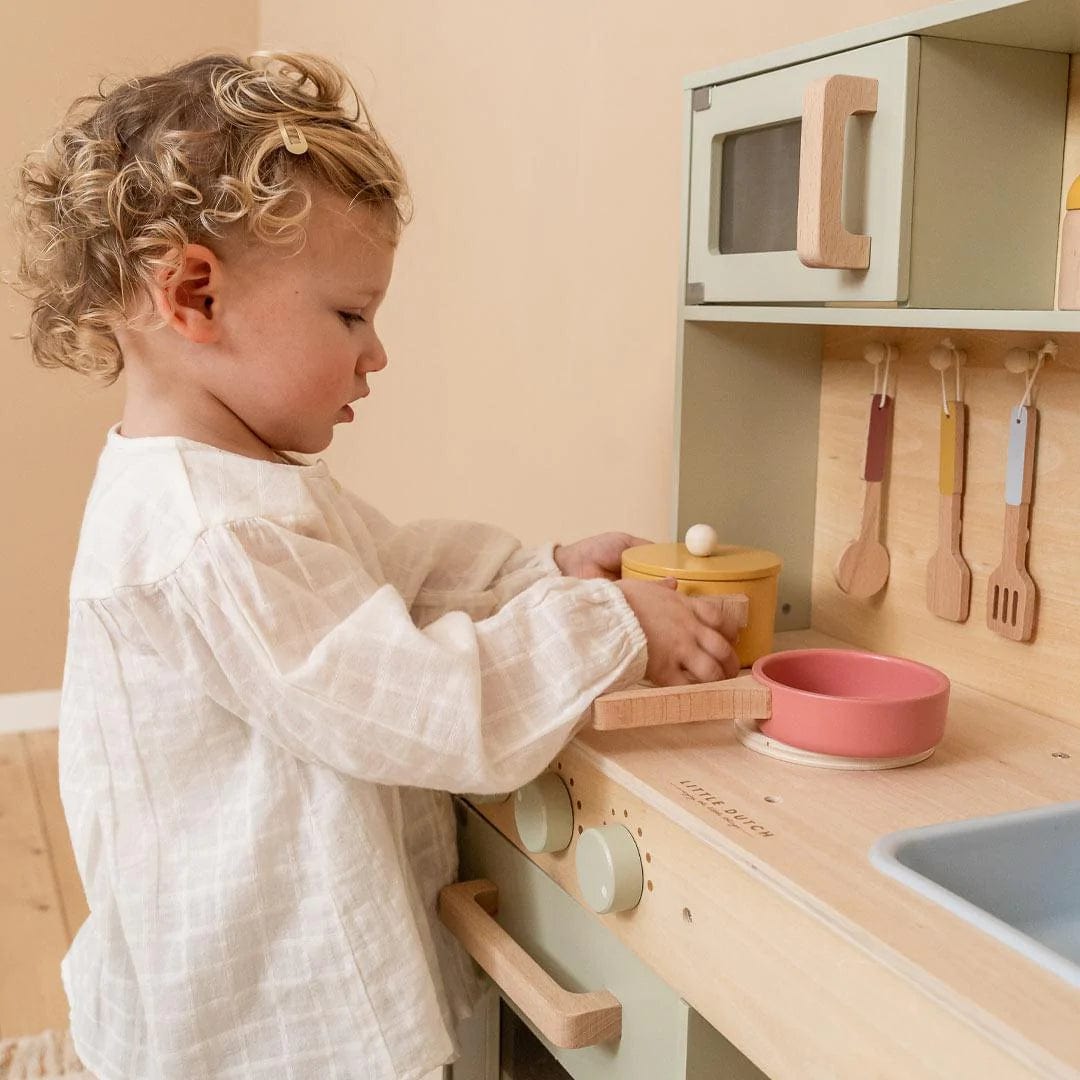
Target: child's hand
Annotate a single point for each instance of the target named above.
(689, 637)
(596, 556)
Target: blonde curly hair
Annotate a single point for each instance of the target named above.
(176, 158)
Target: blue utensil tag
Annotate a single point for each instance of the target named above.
(1016, 470)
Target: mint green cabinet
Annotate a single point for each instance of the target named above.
(662, 1037)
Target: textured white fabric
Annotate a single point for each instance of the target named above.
(268, 690)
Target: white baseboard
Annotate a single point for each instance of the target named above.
(34, 710)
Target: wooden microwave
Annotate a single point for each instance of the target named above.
(917, 171)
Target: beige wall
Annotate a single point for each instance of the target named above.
(52, 423)
(531, 325)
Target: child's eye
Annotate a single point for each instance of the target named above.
(350, 318)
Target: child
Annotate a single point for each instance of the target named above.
(269, 688)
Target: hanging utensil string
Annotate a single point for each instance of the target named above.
(942, 357)
(885, 380)
(1019, 361)
(1025, 401)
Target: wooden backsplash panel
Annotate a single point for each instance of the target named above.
(1044, 674)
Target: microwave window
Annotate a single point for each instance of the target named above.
(759, 189)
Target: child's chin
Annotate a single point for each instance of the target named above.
(311, 444)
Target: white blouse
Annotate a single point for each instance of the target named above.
(268, 691)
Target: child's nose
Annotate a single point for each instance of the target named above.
(373, 358)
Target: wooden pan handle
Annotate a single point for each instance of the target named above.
(821, 238)
(741, 698)
(565, 1019)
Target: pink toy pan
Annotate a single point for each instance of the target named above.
(836, 702)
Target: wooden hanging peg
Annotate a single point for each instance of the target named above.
(1011, 595)
(863, 567)
(948, 576)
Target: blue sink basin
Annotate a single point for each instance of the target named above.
(1015, 876)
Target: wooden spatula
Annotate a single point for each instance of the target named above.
(1011, 595)
(863, 568)
(948, 576)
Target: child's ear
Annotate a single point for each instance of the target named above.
(186, 299)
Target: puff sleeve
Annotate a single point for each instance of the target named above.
(294, 635)
(443, 564)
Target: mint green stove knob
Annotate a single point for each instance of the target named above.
(544, 814)
(609, 869)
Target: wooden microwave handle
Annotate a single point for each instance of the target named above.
(566, 1019)
(822, 240)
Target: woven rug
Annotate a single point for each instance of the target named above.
(47, 1056)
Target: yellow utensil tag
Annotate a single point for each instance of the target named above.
(951, 467)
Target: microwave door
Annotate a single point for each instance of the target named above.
(800, 182)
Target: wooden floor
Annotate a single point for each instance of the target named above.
(41, 898)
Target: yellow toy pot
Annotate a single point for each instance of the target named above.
(731, 569)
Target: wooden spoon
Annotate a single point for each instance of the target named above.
(863, 568)
(1011, 595)
(948, 576)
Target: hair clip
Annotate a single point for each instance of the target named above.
(292, 137)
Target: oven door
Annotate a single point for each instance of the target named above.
(635, 1026)
(801, 181)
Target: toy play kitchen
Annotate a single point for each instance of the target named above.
(878, 413)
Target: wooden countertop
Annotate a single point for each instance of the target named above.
(815, 828)
(762, 899)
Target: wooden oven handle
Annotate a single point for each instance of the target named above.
(566, 1019)
(822, 240)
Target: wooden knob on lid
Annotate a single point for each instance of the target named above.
(701, 540)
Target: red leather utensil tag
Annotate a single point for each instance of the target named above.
(877, 438)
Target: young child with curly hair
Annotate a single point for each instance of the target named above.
(270, 688)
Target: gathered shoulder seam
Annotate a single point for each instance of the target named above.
(199, 538)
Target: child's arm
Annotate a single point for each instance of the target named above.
(441, 565)
(293, 635)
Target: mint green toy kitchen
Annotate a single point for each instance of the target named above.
(870, 219)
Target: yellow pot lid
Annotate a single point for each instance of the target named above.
(1072, 200)
(731, 563)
